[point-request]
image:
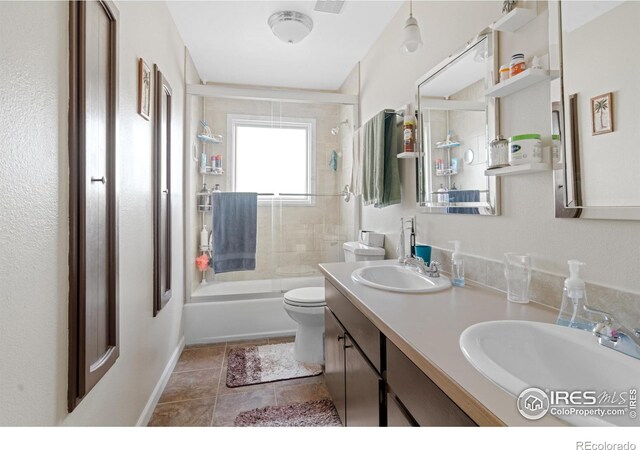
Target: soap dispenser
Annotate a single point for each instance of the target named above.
(457, 265)
(574, 297)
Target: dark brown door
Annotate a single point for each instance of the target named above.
(363, 388)
(396, 415)
(162, 194)
(93, 305)
(334, 362)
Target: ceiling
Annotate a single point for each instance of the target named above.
(230, 41)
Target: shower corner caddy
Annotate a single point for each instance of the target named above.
(211, 171)
(209, 139)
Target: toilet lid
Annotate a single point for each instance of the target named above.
(310, 296)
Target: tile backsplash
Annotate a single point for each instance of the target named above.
(546, 288)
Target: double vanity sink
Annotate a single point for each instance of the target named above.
(481, 350)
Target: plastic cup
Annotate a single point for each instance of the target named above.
(424, 252)
(517, 271)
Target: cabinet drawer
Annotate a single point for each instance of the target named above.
(366, 335)
(428, 405)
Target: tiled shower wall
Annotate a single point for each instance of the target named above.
(292, 240)
(546, 288)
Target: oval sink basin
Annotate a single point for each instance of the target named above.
(396, 278)
(517, 355)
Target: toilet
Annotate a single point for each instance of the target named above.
(306, 307)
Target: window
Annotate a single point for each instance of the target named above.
(273, 156)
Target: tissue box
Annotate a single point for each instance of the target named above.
(372, 239)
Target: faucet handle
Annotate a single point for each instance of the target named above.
(433, 269)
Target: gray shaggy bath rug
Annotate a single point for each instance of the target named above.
(264, 363)
(319, 413)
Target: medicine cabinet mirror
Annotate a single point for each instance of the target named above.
(457, 122)
(595, 108)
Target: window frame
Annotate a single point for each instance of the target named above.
(309, 124)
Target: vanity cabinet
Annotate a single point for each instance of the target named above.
(371, 382)
(353, 362)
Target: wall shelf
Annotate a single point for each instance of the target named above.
(209, 139)
(521, 81)
(520, 169)
(446, 172)
(408, 155)
(514, 20)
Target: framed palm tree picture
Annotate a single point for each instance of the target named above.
(602, 114)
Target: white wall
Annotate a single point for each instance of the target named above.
(34, 224)
(610, 248)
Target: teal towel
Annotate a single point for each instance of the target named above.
(381, 179)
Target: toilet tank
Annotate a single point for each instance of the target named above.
(355, 251)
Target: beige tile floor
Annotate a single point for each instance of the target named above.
(197, 395)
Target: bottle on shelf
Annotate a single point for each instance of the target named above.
(204, 238)
(409, 129)
(216, 164)
(203, 161)
(204, 199)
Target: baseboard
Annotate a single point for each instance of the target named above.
(162, 383)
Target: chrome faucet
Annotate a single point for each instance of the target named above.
(423, 268)
(612, 334)
(417, 262)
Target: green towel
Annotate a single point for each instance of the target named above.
(381, 179)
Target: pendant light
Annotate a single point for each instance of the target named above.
(412, 40)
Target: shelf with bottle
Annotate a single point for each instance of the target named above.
(447, 144)
(212, 171)
(215, 139)
(522, 80)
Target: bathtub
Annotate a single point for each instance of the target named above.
(235, 310)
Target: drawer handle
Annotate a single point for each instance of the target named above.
(340, 338)
(348, 346)
(103, 180)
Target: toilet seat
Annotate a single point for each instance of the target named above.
(309, 297)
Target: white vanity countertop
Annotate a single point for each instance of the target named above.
(427, 328)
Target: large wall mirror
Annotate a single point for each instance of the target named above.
(457, 122)
(595, 108)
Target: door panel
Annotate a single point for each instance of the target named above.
(96, 258)
(396, 416)
(363, 387)
(93, 305)
(334, 362)
(162, 194)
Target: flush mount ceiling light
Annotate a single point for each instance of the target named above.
(290, 26)
(412, 40)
